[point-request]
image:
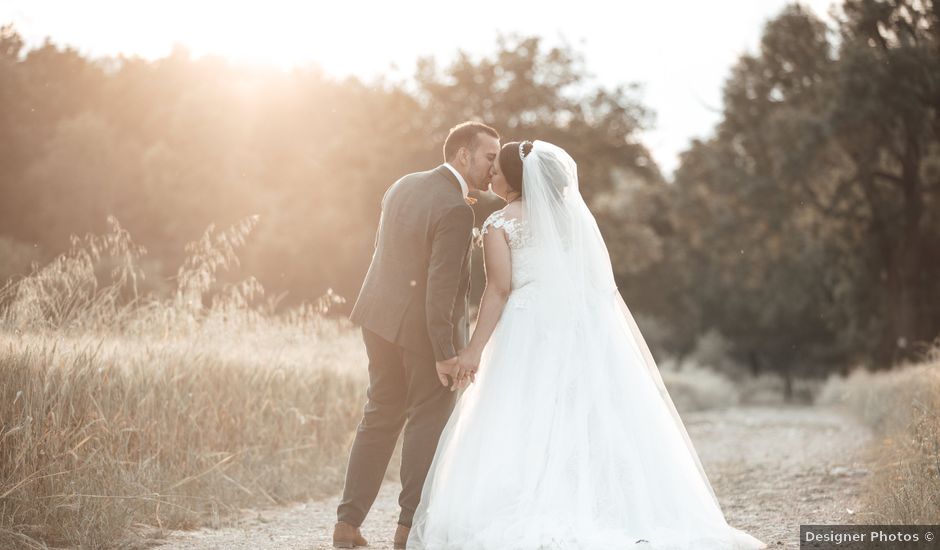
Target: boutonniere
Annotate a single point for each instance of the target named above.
(469, 200)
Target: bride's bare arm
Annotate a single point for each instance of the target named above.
(496, 261)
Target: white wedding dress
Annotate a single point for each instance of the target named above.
(567, 439)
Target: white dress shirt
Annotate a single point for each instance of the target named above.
(463, 183)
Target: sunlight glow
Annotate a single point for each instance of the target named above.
(680, 52)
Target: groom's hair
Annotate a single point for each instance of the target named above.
(465, 135)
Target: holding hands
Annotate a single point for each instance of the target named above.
(469, 360)
(460, 371)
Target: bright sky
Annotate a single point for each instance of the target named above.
(680, 50)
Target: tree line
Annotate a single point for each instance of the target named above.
(804, 229)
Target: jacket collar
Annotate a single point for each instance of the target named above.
(445, 171)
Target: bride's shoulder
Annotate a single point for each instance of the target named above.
(493, 221)
(500, 219)
(512, 223)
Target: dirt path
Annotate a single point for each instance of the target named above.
(773, 468)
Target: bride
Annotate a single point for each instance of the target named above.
(568, 438)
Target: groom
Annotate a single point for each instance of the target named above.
(413, 311)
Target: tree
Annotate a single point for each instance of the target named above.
(171, 145)
(820, 179)
(884, 120)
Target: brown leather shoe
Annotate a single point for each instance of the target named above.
(401, 536)
(347, 536)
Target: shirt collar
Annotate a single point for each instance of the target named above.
(463, 183)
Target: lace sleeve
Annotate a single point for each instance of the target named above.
(495, 220)
(516, 230)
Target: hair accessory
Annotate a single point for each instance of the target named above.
(521, 147)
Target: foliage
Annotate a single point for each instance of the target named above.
(803, 231)
(804, 228)
(171, 145)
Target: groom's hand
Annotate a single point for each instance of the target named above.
(447, 372)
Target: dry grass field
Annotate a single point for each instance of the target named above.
(902, 407)
(119, 411)
(100, 435)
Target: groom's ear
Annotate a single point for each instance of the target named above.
(463, 155)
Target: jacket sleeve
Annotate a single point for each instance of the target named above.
(375, 243)
(448, 249)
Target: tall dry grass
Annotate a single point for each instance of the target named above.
(123, 414)
(902, 406)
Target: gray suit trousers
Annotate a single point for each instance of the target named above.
(404, 391)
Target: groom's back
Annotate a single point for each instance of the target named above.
(394, 295)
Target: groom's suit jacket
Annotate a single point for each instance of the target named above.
(416, 292)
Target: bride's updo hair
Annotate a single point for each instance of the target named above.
(511, 163)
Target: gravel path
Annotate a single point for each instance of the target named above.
(773, 468)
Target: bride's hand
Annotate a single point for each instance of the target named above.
(469, 360)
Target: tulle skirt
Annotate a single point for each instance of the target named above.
(564, 442)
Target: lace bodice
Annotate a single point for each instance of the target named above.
(520, 249)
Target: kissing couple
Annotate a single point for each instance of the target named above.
(550, 426)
